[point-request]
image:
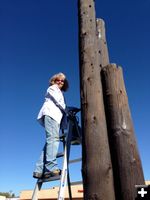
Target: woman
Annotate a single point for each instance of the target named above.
(50, 117)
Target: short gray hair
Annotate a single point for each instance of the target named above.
(57, 76)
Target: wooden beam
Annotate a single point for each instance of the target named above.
(126, 161)
(102, 43)
(96, 167)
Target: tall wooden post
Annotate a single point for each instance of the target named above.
(96, 168)
(102, 43)
(125, 157)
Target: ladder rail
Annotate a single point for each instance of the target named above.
(64, 174)
(69, 185)
(36, 190)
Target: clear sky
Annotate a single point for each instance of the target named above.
(39, 38)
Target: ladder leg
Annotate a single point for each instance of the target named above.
(63, 180)
(64, 175)
(36, 190)
(69, 186)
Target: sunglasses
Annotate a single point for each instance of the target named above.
(59, 80)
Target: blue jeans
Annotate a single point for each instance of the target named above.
(47, 161)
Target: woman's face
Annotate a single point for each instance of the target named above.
(60, 82)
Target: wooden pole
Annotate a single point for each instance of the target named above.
(126, 161)
(96, 167)
(102, 43)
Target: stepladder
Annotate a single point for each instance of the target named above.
(69, 136)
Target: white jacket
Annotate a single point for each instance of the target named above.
(49, 108)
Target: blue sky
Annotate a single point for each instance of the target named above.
(39, 38)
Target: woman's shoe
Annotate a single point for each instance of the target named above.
(56, 172)
(37, 175)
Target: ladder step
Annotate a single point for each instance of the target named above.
(75, 160)
(76, 183)
(61, 154)
(53, 178)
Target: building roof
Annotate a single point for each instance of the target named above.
(51, 193)
(2, 197)
(147, 182)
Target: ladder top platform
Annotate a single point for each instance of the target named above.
(53, 178)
